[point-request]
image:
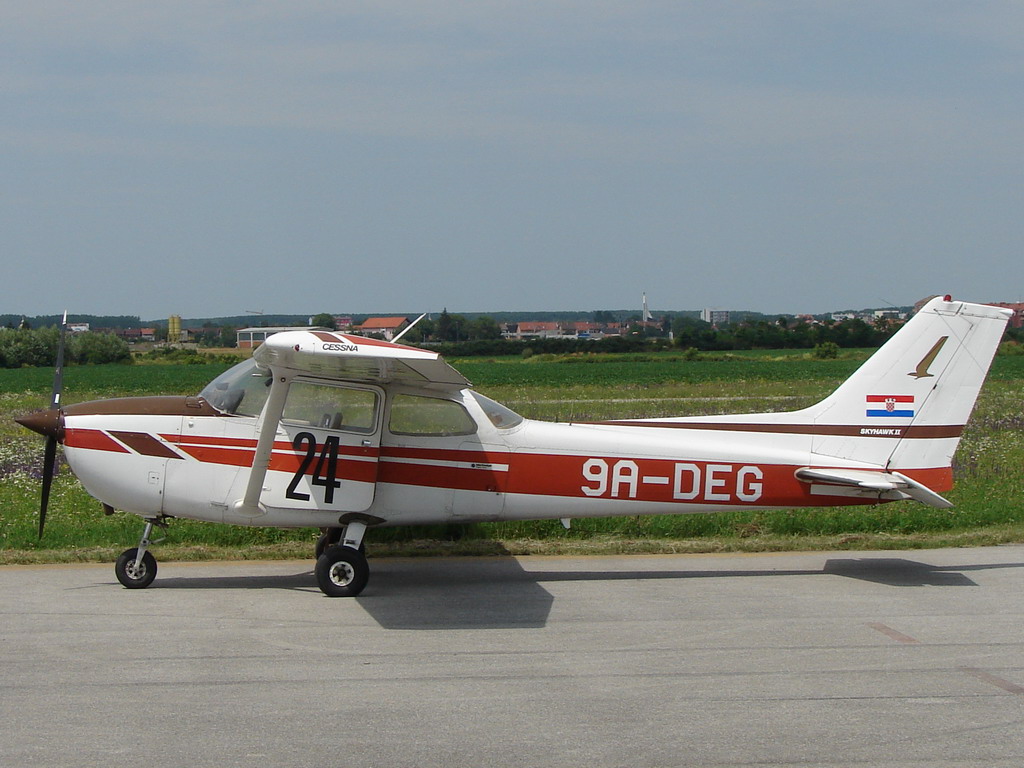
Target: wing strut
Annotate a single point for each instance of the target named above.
(250, 505)
(408, 328)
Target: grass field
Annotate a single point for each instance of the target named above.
(989, 466)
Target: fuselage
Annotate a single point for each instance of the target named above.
(466, 460)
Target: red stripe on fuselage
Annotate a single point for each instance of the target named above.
(93, 440)
(483, 477)
(658, 480)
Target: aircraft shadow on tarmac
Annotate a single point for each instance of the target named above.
(461, 594)
(498, 593)
(423, 593)
(900, 572)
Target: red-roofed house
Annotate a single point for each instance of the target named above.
(388, 327)
(538, 330)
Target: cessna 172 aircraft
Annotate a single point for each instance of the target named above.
(346, 434)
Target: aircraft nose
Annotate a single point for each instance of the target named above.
(48, 423)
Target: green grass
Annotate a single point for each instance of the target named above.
(989, 466)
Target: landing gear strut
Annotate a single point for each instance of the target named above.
(328, 538)
(342, 570)
(136, 567)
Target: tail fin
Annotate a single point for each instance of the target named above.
(890, 430)
(911, 399)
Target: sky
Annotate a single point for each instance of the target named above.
(208, 158)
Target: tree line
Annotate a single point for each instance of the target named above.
(453, 334)
(782, 334)
(37, 347)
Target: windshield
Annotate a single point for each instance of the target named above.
(500, 416)
(241, 390)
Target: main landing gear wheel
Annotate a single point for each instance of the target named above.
(132, 576)
(342, 572)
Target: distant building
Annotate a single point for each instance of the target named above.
(78, 327)
(716, 317)
(388, 327)
(587, 330)
(132, 335)
(546, 329)
(250, 338)
(888, 314)
(539, 330)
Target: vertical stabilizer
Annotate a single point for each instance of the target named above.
(909, 402)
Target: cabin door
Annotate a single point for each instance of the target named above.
(327, 449)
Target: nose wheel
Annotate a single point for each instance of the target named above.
(134, 573)
(136, 567)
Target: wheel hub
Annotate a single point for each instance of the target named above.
(135, 571)
(342, 573)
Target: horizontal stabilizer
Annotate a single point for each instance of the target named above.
(874, 482)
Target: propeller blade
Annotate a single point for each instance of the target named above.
(50, 454)
(49, 465)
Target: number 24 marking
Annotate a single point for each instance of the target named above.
(325, 473)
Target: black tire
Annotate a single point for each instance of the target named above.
(128, 576)
(342, 572)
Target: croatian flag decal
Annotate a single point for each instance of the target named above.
(891, 406)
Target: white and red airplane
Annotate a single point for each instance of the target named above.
(346, 433)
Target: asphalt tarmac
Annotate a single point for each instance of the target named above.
(823, 659)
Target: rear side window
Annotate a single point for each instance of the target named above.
(429, 416)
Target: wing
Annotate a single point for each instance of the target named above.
(355, 358)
